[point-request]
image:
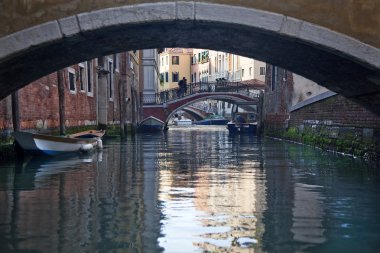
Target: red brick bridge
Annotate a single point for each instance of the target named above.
(164, 105)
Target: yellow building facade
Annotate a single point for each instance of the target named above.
(174, 65)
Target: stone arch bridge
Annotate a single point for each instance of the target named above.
(333, 43)
(165, 104)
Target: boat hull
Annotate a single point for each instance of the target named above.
(53, 145)
(244, 128)
(218, 122)
(183, 122)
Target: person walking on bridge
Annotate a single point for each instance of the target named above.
(181, 87)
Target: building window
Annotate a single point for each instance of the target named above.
(167, 60)
(175, 60)
(242, 73)
(116, 62)
(71, 75)
(175, 76)
(90, 77)
(250, 71)
(262, 71)
(162, 79)
(166, 77)
(110, 79)
(82, 76)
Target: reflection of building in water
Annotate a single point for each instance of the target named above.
(308, 201)
(232, 199)
(293, 220)
(91, 207)
(223, 199)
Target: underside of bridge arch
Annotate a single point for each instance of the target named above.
(194, 114)
(333, 60)
(174, 107)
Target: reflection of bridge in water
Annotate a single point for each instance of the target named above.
(164, 104)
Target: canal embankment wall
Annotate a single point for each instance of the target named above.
(327, 120)
(299, 110)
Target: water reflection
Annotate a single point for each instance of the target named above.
(190, 190)
(213, 202)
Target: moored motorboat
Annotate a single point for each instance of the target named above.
(242, 128)
(183, 122)
(212, 120)
(53, 145)
(243, 123)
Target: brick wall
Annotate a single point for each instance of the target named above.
(333, 111)
(38, 103)
(337, 111)
(5, 114)
(39, 108)
(80, 107)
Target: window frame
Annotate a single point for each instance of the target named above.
(110, 80)
(71, 70)
(175, 73)
(90, 78)
(173, 61)
(263, 71)
(82, 78)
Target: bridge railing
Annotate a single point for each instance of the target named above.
(202, 87)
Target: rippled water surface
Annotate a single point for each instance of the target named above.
(190, 190)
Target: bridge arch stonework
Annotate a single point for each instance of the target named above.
(336, 46)
(165, 111)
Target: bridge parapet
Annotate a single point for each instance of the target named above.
(202, 87)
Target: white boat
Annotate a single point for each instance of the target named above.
(52, 145)
(183, 122)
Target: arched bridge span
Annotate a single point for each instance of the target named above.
(165, 104)
(340, 51)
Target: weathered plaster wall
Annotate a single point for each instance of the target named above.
(304, 89)
(277, 101)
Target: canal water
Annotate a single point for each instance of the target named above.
(191, 190)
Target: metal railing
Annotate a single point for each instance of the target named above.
(202, 87)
